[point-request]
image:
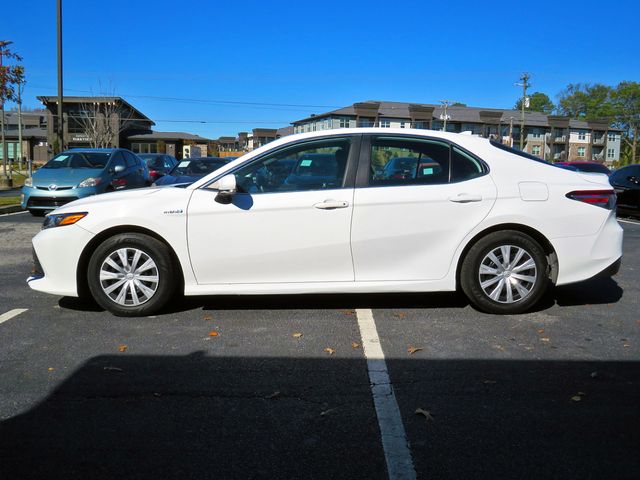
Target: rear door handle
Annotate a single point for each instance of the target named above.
(465, 198)
(331, 204)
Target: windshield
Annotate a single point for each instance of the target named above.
(520, 153)
(197, 166)
(79, 160)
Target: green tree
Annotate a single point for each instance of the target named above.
(587, 102)
(11, 76)
(458, 104)
(626, 102)
(538, 102)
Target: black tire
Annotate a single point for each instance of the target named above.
(163, 270)
(37, 213)
(471, 276)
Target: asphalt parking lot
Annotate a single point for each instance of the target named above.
(279, 387)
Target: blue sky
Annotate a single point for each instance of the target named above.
(317, 54)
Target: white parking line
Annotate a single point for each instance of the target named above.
(14, 213)
(12, 313)
(394, 439)
(628, 221)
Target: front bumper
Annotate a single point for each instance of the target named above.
(38, 198)
(57, 253)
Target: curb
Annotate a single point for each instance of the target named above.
(10, 209)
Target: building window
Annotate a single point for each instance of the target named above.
(610, 152)
(582, 135)
(385, 123)
(611, 137)
(582, 151)
(365, 122)
(535, 150)
(536, 134)
(345, 122)
(144, 147)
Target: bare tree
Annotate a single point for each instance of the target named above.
(10, 76)
(102, 120)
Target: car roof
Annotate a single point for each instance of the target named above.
(97, 150)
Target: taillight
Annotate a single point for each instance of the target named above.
(600, 198)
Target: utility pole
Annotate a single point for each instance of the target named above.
(4, 143)
(525, 84)
(511, 131)
(20, 126)
(60, 127)
(443, 116)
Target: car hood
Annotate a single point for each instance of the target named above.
(63, 177)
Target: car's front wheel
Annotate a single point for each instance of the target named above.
(505, 272)
(131, 274)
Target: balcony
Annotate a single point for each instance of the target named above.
(598, 156)
(599, 140)
(560, 139)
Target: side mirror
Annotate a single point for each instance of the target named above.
(226, 188)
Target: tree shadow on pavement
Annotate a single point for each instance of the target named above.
(205, 416)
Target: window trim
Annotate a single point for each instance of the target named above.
(349, 174)
(362, 176)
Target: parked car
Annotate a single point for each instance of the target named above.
(494, 222)
(626, 182)
(593, 167)
(159, 164)
(81, 172)
(191, 169)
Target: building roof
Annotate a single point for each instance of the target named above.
(47, 99)
(171, 136)
(284, 131)
(456, 113)
(27, 133)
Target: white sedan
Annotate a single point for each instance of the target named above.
(340, 211)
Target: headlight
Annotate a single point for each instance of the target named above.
(90, 182)
(28, 182)
(60, 219)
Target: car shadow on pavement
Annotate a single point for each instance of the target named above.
(591, 292)
(214, 416)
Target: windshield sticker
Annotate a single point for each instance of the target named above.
(61, 158)
(184, 163)
(306, 163)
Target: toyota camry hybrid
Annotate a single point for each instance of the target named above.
(323, 212)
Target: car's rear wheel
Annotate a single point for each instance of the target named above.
(131, 274)
(505, 272)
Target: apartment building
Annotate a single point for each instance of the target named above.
(551, 137)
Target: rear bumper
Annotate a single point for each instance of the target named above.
(611, 270)
(584, 257)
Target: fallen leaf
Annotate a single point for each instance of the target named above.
(156, 394)
(330, 350)
(411, 349)
(296, 335)
(425, 413)
(545, 339)
(400, 315)
(326, 412)
(208, 318)
(122, 348)
(576, 398)
(355, 345)
(626, 345)
(541, 330)
(112, 369)
(273, 395)
(594, 374)
(489, 382)
(498, 347)
(213, 333)
(348, 312)
(51, 369)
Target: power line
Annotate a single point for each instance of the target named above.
(199, 100)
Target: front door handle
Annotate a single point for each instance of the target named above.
(465, 198)
(331, 204)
